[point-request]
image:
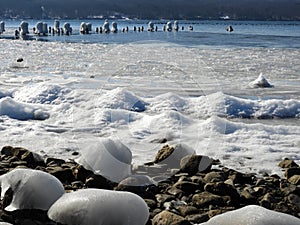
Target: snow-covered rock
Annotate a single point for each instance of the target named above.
(2, 27)
(150, 26)
(106, 28)
(24, 28)
(260, 82)
(32, 189)
(107, 157)
(99, 207)
(253, 215)
(114, 27)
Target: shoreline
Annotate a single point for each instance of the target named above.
(187, 195)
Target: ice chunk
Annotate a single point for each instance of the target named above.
(253, 215)
(260, 82)
(21, 111)
(99, 207)
(107, 157)
(32, 189)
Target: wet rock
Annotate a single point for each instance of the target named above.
(205, 199)
(222, 189)
(193, 164)
(169, 218)
(98, 181)
(287, 163)
(54, 162)
(13, 151)
(292, 171)
(295, 179)
(198, 218)
(65, 175)
(215, 177)
(152, 204)
(188, 187)
(186, 210)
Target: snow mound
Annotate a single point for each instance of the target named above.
(21, 111)
(107, 157)
(41, 93)
(169, 101)
(260, 82)
(5, 93)
(253, 215)
(121, 99)
(32, 189)
(99, 207)
(230, 106)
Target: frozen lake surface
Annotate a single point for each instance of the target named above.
(186, 87)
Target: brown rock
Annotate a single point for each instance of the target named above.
(65, 175)
(292, 171)
(186, 210)
(287, 163)
(222, 189)
(188, 187)
(98, 181)
(169, 218)
(205, 199)
(215, 176)
(295, 179)
(198, 218)
(193, 164)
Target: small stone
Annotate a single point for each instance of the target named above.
(295, 180)
(204, 199)
(169, 218)
(187, 187)
(54, 162)
(215, 177)
(64, 175)
(193, 164)
(151, 203)
(198, 218)
(98, 181)
(186, 210)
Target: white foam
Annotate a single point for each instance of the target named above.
(253, 215)
(99, 207)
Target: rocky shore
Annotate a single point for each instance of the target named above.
(186, 196)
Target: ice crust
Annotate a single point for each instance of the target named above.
(99, 207)
(32, 189)
(253, 215)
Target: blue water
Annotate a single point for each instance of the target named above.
(269, 34)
